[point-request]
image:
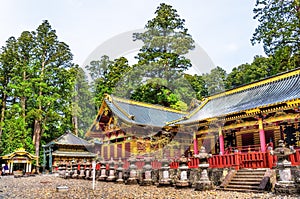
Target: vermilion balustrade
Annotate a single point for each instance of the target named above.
(237, 160)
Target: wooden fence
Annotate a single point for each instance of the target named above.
(237, 160)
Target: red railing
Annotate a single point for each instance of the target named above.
(193, 163)
(174, 165)
(295, 158)
(251, 159)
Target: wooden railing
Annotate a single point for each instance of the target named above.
(237, 160)
(295, 158)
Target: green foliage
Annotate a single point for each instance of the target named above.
(109, 76)
(165, 40)
(83, 108)
(246, 73)
(158, 76)
(37, 89)
(279, 25)
(198, 84)
(215, 80)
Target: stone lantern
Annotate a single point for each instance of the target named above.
(285, 183)
(204, 183)
(103, 175)
(120, 171)
(165, 179)
(81, 173)
(62, 169)
(88, 171)
(132, 171)
(74, 169)
(111, 174)
(147, 172)
(183, 173)
(68, 170)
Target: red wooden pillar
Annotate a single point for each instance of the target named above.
(195, 144)
(221, 141)
(261, 135)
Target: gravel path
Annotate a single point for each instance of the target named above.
(39, 187)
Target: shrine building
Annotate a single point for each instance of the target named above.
(249, 118)
(19, 160)
(125, 127)
(67, 148)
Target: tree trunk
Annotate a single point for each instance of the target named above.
(2, 113)
(37, 135)
(37, 122)
(75, 124)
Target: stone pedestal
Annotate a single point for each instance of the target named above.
(87, 171)
(111, 173)
(132, 171)
(103, 175)
(120, 172)
(62, 170)
(147, 172)
(81, 173)
(204, 183)
(183, 173)
(68, 171)
(164, 173)
(74, 170)
(285, 183)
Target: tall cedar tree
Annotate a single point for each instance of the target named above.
(166, 41)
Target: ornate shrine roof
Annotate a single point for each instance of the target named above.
(68, 138)
(282, 88)
(138, 113)
(18, 152)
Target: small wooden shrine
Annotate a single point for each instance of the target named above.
(126, 127)
(19, 160)
(67, 148)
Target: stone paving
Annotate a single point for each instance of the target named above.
(44, 186)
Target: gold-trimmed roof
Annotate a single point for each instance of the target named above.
(257, 83)
(18, 152)
(143, 104)
(282, 90)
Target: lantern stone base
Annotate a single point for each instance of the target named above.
(203, 186)
(287, 187)
(120, 181)
(165, 182)
(131, 181)
(102, 178)
(147, 182)
(182, 184)
(111, 179)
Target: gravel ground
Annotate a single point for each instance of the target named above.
(44, 186)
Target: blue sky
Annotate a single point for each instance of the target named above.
(222, 28)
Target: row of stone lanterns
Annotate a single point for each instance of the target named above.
(146, 177)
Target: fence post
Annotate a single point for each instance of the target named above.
(237, 160)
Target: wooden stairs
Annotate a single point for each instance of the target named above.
(247, 180)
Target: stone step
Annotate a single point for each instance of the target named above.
(242, 186)
(248, 176)
(242, 190)
(239, 179)
(251, 172)
(257, 183)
